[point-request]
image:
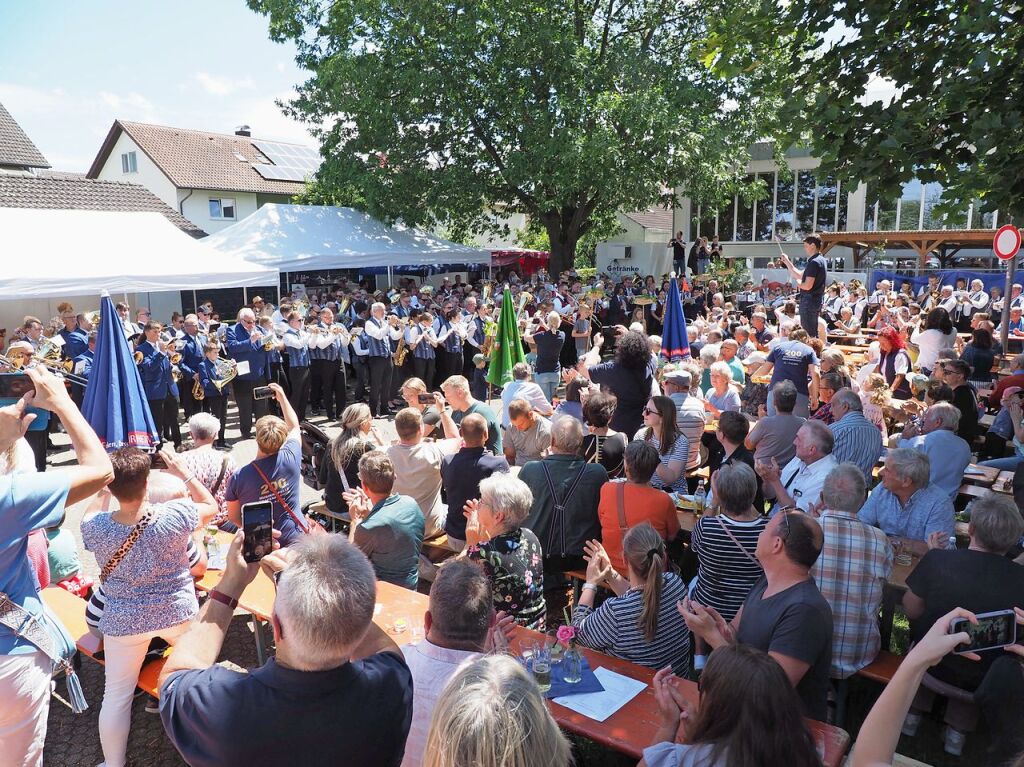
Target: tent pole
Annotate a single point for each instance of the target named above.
(195, 301)
(287, 288)
(245, 296)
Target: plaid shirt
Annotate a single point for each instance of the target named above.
(855, 562)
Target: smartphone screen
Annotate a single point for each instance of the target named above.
(15, 385)
(262, 392)
(425, 399)
(994, 630)
(257, 526)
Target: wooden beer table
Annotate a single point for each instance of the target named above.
(629, 730)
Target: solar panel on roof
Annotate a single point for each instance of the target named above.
(283, 172)
(296, 158)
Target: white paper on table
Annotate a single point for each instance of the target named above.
(618, 691)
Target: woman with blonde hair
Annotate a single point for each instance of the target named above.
(412, 388)
(640, 624)
(339, 469)
(834, 360)
(491, 714)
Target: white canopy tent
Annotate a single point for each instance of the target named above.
(49, 253)
(296, 238)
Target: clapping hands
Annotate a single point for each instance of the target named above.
(359, 504)
(599, 565)
(673, 706)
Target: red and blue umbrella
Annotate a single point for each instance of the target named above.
(675, 345)
(115, 403)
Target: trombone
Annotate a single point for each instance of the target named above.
(60, 368)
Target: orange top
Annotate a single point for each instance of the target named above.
(642, 504)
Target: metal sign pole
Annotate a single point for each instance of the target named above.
(1004, 328)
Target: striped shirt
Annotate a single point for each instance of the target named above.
(857, 440)
(613, 628)
(725, 575)
(680, 451)
(855, 563)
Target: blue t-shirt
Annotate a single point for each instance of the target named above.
(791, 360)
(27, 502)
(283, 470)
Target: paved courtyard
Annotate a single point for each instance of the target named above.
(73, 740)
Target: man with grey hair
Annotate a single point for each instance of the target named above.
(566, 491)
(691, 417)
(948, 454)
(330, 657)
(981, 579)
(773, 436)
(906, 505)
(245, 345)
(379, 333)
(798, 484)
(855, 562)
(856, 439)
(521, 387)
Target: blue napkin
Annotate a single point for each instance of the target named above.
(559, 687)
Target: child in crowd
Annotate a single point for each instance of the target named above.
(874, 395)
(215, 400)
(478, 385)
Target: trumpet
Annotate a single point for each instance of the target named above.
(175, 373)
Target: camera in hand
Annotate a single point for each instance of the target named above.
(15, 385)
(262, 392)
(258, 530)
(993, 631)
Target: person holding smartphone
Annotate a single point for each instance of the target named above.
(979, 578)
(274, 475)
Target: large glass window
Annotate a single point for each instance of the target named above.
(707, 222)
(827, 195)
(804, 203)
(727, 221)
(765, 209)
(844, 203)
(886, 216)
(745, 217)
(910, 207)
(932, 198)
(784, 208)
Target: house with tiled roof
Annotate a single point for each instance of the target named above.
(212, 179)
(27, 182)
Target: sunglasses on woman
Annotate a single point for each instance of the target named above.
(649, 411)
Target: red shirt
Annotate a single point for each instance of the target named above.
(642, 504)
(995, 398)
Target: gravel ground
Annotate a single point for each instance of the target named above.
(73, 740)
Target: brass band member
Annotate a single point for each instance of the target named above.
(421, 339)
(155, 370)
(379, 333)
(296, 340)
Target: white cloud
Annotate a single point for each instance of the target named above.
(222, 86)
(879, 89)
(23, 99)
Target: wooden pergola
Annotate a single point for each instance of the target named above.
(946, 242)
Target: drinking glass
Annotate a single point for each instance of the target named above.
(541, 667)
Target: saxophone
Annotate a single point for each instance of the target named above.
(401, 352)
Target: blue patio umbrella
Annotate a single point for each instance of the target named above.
(115, 403)
(675, 345)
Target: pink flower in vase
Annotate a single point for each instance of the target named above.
(566, 635)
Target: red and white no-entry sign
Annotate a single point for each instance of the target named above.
(1006, 243)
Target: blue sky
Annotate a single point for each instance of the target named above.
(68, 69)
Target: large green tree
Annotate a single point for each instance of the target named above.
(950, 74)
(440, 111)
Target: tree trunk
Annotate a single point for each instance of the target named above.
(563, 249)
